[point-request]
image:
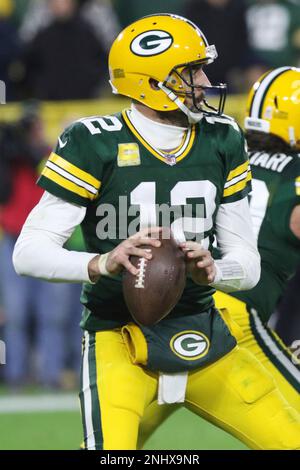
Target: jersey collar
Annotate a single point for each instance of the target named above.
(169, 158)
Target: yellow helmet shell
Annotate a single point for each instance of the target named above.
(6, 8)
(273, 105)
(150, 48)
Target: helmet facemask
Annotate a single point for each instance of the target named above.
(181, 85)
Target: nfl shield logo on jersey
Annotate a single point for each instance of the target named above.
(170, 159)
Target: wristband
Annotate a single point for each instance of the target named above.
(102, 264)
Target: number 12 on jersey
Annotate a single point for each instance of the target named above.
(144, 195)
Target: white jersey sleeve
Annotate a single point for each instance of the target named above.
(39, 249)
(239, 267)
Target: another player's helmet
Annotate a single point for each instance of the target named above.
(157, 48)
(274, 105)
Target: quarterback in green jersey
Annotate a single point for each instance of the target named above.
(172, 149)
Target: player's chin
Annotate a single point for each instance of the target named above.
(194, 108)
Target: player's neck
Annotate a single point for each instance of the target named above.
(171, 118)
(160, 135)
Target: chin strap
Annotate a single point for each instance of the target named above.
(193, 118)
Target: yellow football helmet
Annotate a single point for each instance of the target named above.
(156, 49)
(274, 105)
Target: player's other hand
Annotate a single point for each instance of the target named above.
(200, 263)
(118, 259)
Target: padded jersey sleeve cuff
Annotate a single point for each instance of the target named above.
(229, 275)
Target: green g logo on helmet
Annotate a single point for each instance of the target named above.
(190, 345)
(151, 43)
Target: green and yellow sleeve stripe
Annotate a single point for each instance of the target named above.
(237, 179)
(70, 177)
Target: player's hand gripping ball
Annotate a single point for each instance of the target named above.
(158, 286)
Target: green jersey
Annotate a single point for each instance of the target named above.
(276, 191)
(103, 163)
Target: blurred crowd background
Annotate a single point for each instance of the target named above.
(39, 40)
(53, 60)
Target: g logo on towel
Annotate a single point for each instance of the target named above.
(190, 345)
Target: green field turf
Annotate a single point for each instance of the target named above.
(62, 430)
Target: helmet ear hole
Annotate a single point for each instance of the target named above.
(154, 84)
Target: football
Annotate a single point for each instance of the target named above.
(155, 290)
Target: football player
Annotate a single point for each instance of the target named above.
(272, 126)
(171, 148)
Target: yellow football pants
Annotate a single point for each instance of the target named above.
(261, 342)
(265, 345)
(236, 393)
